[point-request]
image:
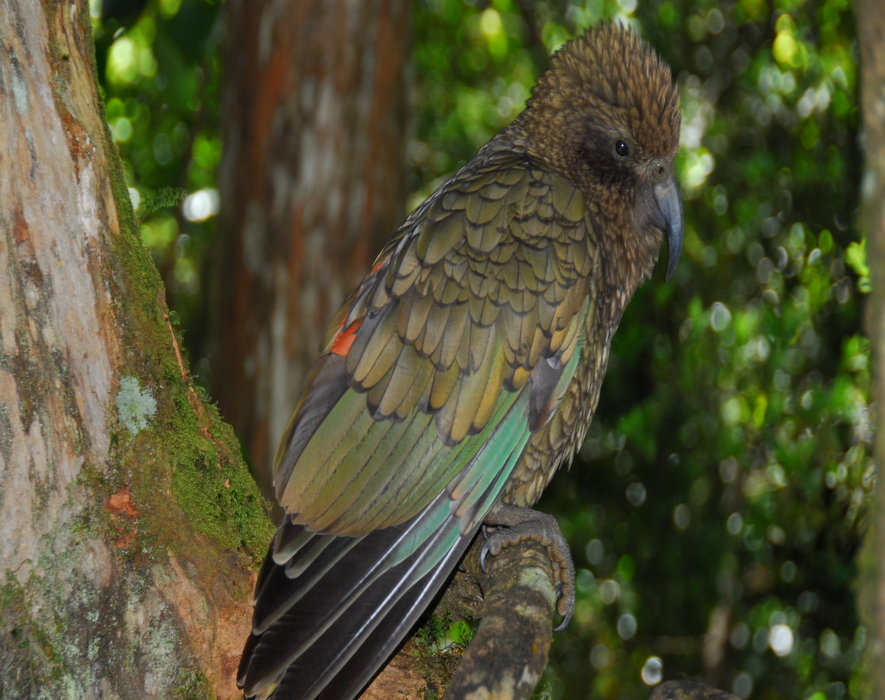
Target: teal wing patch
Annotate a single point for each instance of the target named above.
(453, 350)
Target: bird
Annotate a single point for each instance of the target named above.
(465, 369)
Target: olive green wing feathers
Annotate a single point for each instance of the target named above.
(458, 345)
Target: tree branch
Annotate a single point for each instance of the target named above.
(689, 690)
(509, 652)
(506, 658)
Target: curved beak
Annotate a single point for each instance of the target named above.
(670, 220)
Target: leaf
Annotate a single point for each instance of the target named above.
(856, 257)
(165, 197)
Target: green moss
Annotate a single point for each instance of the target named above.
(198, 472)
(220, 497)
(543, 692)
(437, 648)
(10, 594)
(165, 197)
(192, 686)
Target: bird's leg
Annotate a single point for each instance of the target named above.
(515, 524)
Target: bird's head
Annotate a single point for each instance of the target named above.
(606, 114)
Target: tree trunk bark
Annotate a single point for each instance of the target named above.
(871, 38)
(128, 523)
(312, 184)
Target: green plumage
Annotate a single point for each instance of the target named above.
(496, 289)
(466, 367)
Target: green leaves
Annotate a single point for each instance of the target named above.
(856, 257)
(160, 73)
(165, 197)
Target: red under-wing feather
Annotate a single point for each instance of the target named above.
(344, 339)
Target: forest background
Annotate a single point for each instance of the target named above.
(718, 504)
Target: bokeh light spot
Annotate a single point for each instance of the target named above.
(121, 130)
(636, 494)
(594, 551)
(609, 591)
(740, 635)
(734, 523)
(201, 205)
(490, 22)
(600, 656)
(627, 626)
(742, 685)
(682, 516)
(720, 317)
(652, 670)
(780, 639)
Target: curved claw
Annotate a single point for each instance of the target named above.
(514, 524)
(483, 553)
(562, 625)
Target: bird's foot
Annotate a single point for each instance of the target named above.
(507, 525)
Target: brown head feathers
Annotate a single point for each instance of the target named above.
(608, 80)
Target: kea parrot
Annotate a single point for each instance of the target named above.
(465, 369)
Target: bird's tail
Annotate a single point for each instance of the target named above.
(330, 610)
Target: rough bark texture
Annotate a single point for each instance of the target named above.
(506, 658)
(689, 690)
(312, 182)
(401, 679)
(871, 37)
(128, 522)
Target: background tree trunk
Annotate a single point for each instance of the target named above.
(312, 184)
(128, 523)
(871, 37)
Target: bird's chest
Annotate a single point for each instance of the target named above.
(557, 442)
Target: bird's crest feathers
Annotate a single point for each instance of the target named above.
(610, 75)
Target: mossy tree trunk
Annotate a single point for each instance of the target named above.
(871, 38)
(312, 182)
(129, 526)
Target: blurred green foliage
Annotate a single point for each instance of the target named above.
(717, 504)
(159, 66)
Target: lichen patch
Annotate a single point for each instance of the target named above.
(135, 406)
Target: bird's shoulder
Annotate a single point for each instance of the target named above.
(498, 234)
(492, 269)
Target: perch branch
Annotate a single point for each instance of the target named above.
(509, 652)
(689, 690)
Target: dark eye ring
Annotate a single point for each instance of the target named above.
(622, 149)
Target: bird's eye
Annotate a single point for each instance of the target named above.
(622, 149)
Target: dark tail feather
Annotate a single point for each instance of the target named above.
(326, 632)
(278, 592)
(371, 653)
